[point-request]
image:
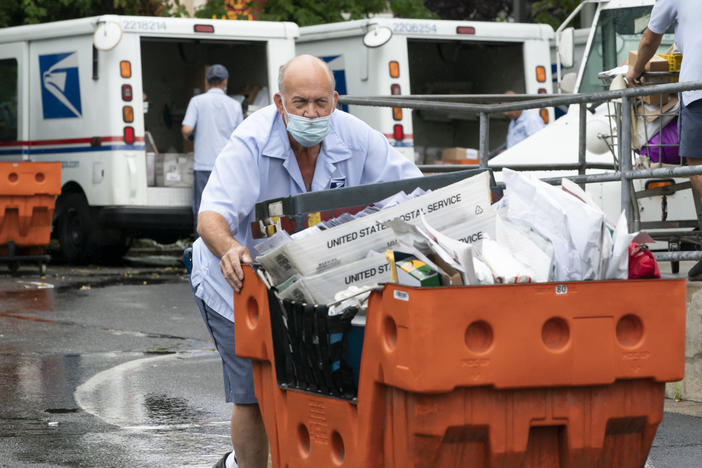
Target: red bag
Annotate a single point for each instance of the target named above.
(642, 263)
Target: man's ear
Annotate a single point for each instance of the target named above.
(336, 99)
(278, 100)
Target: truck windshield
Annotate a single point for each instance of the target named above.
(617, 32)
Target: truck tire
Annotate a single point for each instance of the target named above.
(75, 228)
(114, 245)
(81, 239)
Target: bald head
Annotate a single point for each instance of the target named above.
(308, 68)
(306, 88)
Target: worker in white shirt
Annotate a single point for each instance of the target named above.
(210, 119)
(523, 123)
(688, 36)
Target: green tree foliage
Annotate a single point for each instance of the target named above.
(477, 10)
(552, 12)
(212, 9)
(411, 9)
(18, 12)
(307, 12)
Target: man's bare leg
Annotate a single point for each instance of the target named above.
(249, 437)
(696, 182)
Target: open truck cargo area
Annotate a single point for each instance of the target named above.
(105, 97)
(384, 56)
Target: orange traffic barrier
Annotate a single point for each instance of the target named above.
(540, 375)
(27, 197)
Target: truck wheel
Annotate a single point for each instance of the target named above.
(116, 247)
(75, 228)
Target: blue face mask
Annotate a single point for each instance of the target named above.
(306, 131)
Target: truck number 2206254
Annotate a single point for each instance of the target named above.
(413, 28)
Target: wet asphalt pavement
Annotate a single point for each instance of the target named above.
(108, 368)
(113, 367)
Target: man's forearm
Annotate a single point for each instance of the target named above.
(647, 48)
(215, 233)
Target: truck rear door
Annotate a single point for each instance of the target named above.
(458, 66)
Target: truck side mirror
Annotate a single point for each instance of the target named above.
(567, 84)
(566, 43)
(377, 37)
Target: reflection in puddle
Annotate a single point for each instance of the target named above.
(142, 394)
(162, 409)
(24, 300)
(19, 302)
(40, 378)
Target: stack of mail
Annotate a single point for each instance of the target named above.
(454, 204)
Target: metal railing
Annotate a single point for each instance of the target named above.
(486, 105)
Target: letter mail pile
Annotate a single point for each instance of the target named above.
(535, 233)
(461, 202)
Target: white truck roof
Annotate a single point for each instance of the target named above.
(624, 3)
(154, 26)
(428, 28)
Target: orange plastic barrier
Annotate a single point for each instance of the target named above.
(543, 375)
(27, 196)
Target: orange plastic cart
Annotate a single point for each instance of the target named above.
(28, 193)
(532, 375)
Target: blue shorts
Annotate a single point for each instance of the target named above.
(238, 374)
(690, 130)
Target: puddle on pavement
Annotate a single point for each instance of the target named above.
(164, 410)
(61, 410)
(50, 379)
(15, 301)
(156, 392)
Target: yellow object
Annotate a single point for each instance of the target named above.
(674, 61)
(390, 256)
(314, 218)
(411, 265)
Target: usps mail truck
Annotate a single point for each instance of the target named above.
(389, 56)
(77, 92)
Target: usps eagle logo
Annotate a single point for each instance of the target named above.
(60, 86)
(338, 67)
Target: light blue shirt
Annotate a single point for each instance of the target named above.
(258, 164)
(213, 116)
(528, 123)
(688, 37)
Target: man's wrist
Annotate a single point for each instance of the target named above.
(231, 245)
